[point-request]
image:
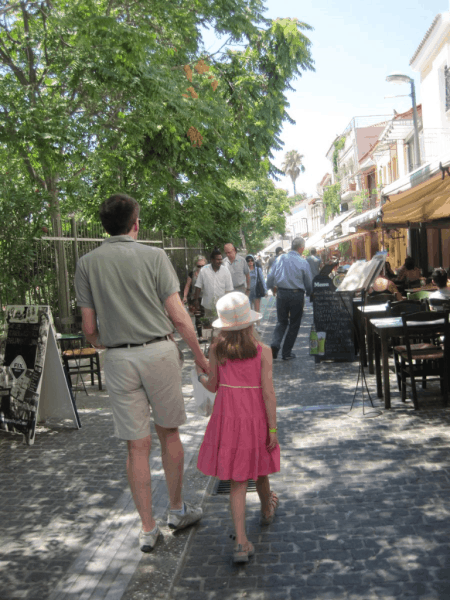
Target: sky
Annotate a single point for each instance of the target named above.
(355, 45)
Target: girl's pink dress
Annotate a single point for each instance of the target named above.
(235, 443)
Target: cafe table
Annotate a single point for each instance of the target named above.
(384, 329)
(369, 312)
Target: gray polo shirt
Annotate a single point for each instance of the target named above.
(314, 264)
(238, 269)
(126, 283)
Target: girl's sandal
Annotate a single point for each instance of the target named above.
(273, 503)
(240, 555)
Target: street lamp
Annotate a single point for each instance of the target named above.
(399, 78)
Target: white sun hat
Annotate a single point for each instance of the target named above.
(235, 312)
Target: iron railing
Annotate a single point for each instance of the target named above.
(35, 280)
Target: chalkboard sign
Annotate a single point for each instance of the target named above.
(333, 315)
(32, 380)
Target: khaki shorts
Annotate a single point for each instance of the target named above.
(143, 377)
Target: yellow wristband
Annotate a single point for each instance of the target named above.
(273, 430)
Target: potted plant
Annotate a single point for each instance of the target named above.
(206, 323)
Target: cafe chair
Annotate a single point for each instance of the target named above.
(424, 354)
(396, 309)
(75, 352)
(405, 306)
(438, 304)
(418, 295)
(379, 299)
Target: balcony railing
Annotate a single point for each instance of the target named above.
(348, 184)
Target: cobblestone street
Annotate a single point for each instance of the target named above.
(364, 503)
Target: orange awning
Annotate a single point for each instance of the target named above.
(423, 203)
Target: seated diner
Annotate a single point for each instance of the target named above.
(439, 278)
(409, 274)
(382, 285)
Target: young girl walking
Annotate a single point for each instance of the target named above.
(241, 438)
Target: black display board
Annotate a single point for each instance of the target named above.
(32, 380)
(333, 315)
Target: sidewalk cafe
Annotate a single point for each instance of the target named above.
(410, 335)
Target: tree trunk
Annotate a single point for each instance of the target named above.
(64, 308)
(242, 236)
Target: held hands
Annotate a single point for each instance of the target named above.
(273, 441)
(202, 366)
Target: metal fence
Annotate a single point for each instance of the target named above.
(36, 280)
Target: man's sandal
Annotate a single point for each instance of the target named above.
(273, 503)
(240, 555)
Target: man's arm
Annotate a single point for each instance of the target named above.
(89, 327)
(270, 277)
(307, 279)
(183, 324)
(228, 283)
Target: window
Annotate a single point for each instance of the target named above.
(447, 87)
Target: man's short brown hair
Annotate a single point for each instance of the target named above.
(118, 213)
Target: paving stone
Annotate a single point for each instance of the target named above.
(363, 513)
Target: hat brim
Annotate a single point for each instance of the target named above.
(254, 318)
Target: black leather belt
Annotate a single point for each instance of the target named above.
(291, 289)
(157, 339)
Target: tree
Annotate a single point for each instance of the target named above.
(264, 210)
(99, 96)
(292, 166)
(332, 200)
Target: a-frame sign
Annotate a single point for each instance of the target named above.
(33, 386)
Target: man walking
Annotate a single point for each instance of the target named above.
(125, 287)
(238, 267)
(272, 259)
(214, 281)
(292, 277)
(314, 262)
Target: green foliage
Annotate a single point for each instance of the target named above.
(338, 145)
(103, 96)
(21, 220)
(332, 200)
(345, 248)
(264, 208)
(361, 201)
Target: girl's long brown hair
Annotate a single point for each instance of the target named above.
(236, 345)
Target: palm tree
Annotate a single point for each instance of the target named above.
(292, 165)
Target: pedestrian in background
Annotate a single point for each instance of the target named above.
(213, 281)
(256, 275)
(291, 275)
(189, 289)
(272, 259)
(241, 440)
(314, 262)
(238, 268)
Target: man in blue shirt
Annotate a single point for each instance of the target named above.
(291, 275)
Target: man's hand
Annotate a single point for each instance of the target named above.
(203, 366)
